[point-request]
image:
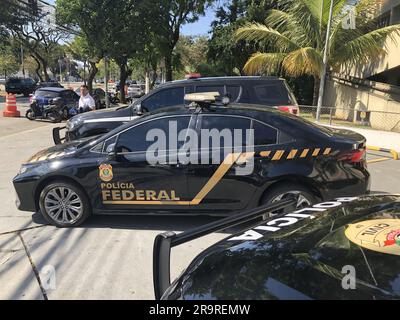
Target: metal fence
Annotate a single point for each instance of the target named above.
(379, 120)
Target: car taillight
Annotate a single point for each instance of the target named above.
(354, 156)
(291, 109)
(31, 98)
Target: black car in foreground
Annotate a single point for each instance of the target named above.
(346, 248)
(112, 174)
(271, 92)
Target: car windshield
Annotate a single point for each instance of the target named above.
(46, 94)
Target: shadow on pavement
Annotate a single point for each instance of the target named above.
(142, 222)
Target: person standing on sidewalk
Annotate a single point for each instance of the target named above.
(86, 101)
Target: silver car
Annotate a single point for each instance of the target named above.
(136, 90)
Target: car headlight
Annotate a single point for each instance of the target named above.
(71, 124)
(27, 166)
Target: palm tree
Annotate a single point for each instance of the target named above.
(294, 36)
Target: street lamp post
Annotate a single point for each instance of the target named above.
(325, 62)
(106, 80)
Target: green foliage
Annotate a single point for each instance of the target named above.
(294, 37)
(227, 55)
(8, 61)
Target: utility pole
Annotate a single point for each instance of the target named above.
(325, 62)
(22, 61)
(106, 80)
(59, 65)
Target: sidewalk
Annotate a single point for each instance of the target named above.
(376, 138)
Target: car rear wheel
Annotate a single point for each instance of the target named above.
(303, 196)
(64, 204)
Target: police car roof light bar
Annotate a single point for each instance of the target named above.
(167, 240)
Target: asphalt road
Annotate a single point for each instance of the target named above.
(106, 258)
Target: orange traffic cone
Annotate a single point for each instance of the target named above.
(11, 106)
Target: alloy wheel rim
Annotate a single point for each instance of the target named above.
(63, 205)
(302, 201)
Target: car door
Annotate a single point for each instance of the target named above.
(214, 183)
(134, 180)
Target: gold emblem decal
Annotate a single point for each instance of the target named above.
(105, 172)
(381, 235)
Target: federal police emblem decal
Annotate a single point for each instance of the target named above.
(105, 172)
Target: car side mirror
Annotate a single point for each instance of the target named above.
(111, 152)
(112, 155)
(139, 109)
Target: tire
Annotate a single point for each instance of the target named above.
(283, 191)
(59, 198)
(55, 117)
(30, 115)
(65, 114)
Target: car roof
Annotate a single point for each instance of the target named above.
(222, 79)
(54, 89)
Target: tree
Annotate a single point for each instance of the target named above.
(176, 13)
(294, 37)
(8, 61)
(114, 29)
(40, 39)
(227, 55)
(190, 55)
(80, 50)
(87, 19)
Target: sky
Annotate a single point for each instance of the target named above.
(202, 26)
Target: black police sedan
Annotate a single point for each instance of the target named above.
(347, 248)
(112, 174)
(266, 91)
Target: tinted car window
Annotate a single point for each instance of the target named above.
(273, 94)
(134, 140)
(219, 89)
(13, 81)
(164, 98)
(46, 94)
(28, 81)
(233, 92)
(263, 134)
(225, 122)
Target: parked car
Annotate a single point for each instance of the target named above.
(268, 92)
(68, 99)
(112, 174)
(344, 249)
(136, 90)
(24, 86)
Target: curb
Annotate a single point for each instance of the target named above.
(394, 153)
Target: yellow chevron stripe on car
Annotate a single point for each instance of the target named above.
(292, 154)
(278, 155)
(316, 152)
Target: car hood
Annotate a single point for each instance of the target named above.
(306, 260)
(59, 151)
(101, 114)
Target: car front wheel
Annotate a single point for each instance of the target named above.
(64, 204)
